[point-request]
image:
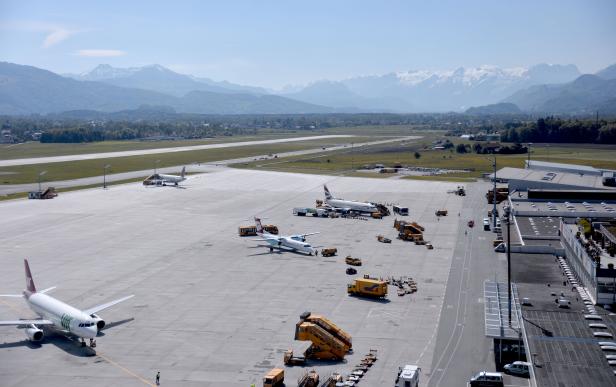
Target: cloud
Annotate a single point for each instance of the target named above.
(100, 53)
(56, 35)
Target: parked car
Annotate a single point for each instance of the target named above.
(486, 224)
(501, 248)
(520, 368)
(487, 379)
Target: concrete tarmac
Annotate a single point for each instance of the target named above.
(211, 308)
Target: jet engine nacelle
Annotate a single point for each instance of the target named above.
(100, 323)
(34, 333)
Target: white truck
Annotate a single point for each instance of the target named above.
(408, 376)
(316, 212)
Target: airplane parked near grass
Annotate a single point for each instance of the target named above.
(163, 179)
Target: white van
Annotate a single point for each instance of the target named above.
(404, 211)
(520, 368)
(408, 376)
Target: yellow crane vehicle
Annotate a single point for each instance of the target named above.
(329, 342)
(367, 287)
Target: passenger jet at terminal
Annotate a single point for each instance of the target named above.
(347, 205)
(290, 242)
(54, 313)
(162, 179)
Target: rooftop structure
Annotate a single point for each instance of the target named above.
(537, 165)
(523, 179)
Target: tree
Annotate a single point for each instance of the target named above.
(417, 155)
(461, 148)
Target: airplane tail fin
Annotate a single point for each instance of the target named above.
(29, 281)
(328, 195)
(183, 171)
(259, 226)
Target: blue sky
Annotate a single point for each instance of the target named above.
(274, 43)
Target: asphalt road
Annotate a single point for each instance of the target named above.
(193, 168)
(462, 349)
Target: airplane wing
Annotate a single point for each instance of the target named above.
(310, 233)
(12, 295)
(98, 308)
(26, 322)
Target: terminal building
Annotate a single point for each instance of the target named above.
(563, 246)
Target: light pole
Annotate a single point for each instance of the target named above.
(530, 144)
(508, 245)
(105, 175)
(39, 179)
(494, 198)
(156, 166)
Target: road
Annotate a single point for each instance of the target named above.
(193, 168)
(462, 349)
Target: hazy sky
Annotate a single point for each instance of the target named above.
(274, 43)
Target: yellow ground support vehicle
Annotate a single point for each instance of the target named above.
(329, 252)
(328, 341)
(367, 287)
(352, 261)
(274, 378)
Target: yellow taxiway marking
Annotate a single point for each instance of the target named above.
(131, 373)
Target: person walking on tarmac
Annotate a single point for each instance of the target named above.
(158, 378)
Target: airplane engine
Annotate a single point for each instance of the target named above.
(34, 333)
(100, 323)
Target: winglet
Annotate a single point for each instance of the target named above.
(29, 281)
(328, 195)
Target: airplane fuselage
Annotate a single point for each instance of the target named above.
(289, 242)
(351, 205)
(64, 316)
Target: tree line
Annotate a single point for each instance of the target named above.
(558, 130)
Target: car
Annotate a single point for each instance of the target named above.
(520, 368)
(486, 224)
(487, 379)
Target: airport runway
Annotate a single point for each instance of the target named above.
(139, 152)
(210, 308)
(192, 168)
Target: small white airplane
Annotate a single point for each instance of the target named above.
(347, 205)
(162, 179)
(289, 242)
(65, 318)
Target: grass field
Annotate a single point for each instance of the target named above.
(87, 168)
(37, 149)
(347, 162)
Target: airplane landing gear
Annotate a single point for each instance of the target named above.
(83, 342)
(92, 343)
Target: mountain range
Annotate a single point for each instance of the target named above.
(539, 89)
